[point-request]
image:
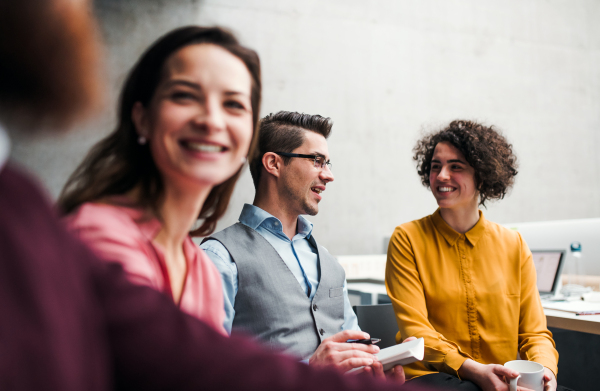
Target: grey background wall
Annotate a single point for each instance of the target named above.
(385, 71)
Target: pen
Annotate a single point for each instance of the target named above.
(588, 313)
(370, 341)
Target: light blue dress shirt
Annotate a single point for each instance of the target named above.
(298, 254)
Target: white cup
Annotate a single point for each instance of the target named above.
(531, 375)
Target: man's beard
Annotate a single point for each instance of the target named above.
(300, 198)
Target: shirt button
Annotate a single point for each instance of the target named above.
(315, 307)
(321, 331)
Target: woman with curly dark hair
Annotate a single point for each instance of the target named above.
(465, 284)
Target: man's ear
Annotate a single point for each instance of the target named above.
(140, 119)
(272, 163)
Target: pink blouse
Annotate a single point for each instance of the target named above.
(119, 234)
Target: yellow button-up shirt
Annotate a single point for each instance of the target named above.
(469, 295)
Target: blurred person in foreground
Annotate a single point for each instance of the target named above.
(463, 283)
(70, 321)
(187, 119)
(279, 284)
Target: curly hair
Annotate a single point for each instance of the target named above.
(484, 148)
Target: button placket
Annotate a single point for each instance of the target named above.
(470, 296)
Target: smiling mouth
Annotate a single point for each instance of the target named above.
(318, 191)
(202, 147)
(445, 189)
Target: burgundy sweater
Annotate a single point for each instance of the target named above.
(72, 323)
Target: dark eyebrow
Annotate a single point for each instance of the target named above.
(319, 154)
(229, 93)
(195, 86)
(449, 161)
(184, 83)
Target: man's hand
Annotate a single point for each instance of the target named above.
(489, 377)
(395, 374)
(335, 352)
(549, 380)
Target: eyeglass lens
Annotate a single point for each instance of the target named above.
(321, 163)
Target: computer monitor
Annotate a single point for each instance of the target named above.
(548, 267)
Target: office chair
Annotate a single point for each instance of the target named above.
(379, 321)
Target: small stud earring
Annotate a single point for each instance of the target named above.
(142, 140)
(244, 160)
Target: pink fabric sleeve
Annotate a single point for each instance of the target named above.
(114, 236)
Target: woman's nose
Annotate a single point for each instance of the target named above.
(444, 173)
(211, 117)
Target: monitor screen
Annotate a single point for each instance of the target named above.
(548, 265)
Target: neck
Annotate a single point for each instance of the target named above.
(461, 219)
(271, 202)
(179, 211)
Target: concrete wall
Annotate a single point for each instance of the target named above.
(385, 71)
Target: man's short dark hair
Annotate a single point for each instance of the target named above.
(284, 132)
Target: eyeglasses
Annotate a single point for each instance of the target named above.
(319, 161)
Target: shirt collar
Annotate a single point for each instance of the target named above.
(4, 147)
(451, 236)
(254, 217)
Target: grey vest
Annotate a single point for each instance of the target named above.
(271, 304)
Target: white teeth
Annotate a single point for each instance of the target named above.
(318, 191)
(204, 147)
(445, 189)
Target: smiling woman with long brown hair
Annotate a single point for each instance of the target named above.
(187, 122)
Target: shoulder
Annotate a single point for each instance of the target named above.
(214, 248)
(112, 231)
(414, 228)
(206, 262)
(101, 217)
(499, 232)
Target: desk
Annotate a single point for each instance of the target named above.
(558, 319)
(569, 321)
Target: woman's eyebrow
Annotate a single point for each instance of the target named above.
(233, 92)
(449, 161)
(196, 86)
(186, 83)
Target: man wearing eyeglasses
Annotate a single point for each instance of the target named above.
(278, 283)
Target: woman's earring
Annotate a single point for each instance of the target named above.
(244, 160)
(142, 140)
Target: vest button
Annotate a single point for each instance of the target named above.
(315, 307)
(322, 331)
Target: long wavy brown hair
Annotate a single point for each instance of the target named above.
(118, 163)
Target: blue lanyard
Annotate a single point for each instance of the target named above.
(306, 280)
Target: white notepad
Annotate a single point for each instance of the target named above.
(401, 354)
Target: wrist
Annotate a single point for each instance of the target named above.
(468, 369)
